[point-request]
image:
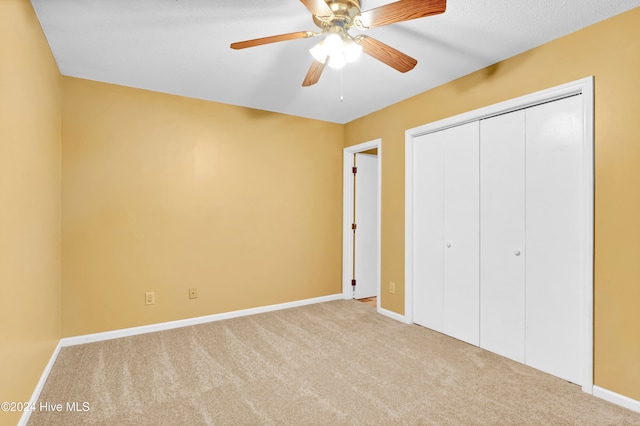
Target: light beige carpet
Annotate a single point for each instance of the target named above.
(335, 363)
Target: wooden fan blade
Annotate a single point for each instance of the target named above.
(387, 54)
(314, 73)
(271, 39)
(403, 10)
(318, 7)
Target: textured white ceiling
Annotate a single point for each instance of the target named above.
(182, 47)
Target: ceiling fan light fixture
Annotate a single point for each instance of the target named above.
(338, 48)
(337, 61)
(318, 53)
(333, 45)
(352, 51)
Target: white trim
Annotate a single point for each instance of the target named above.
(616, 398)
(599, 392)
(24, 419)
(152, 328)
(393, 315)
(584, 87)
(408, 225)
(133, 331)
(588, 190)
(347, 215)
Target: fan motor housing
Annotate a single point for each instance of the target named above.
(343, 10)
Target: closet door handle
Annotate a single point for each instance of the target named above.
(516, 252)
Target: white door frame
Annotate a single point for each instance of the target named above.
(347, 215)
(584, 87)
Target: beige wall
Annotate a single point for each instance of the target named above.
(30, 126)
(162, 193)
(611, 52)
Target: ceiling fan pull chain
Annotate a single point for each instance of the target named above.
(341, 86)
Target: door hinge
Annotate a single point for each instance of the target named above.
(353, 283)
(354, 226)
(354, 170)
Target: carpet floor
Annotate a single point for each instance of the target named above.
(334, 363)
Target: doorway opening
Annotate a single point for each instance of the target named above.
(361, 222)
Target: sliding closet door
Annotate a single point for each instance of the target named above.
(429, 230)
(446, 295)
(461, 233)
(502, 242)
(554, 238)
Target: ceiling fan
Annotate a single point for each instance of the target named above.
(336, 17)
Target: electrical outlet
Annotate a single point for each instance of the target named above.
(150, 298)
(392, 288)
(193, 293)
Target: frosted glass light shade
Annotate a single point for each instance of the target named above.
(352, 51)
(318, 52)
(337, 61)
(338, 49)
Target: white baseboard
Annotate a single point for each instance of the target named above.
(115, 334)
(36, 392)
(133, 331)
(616, 398)
(599, 392)
(393, 315)
(607, 395)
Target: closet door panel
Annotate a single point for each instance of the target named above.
(461, 232)
(502, 225)
(428, 230)
(553, 215)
